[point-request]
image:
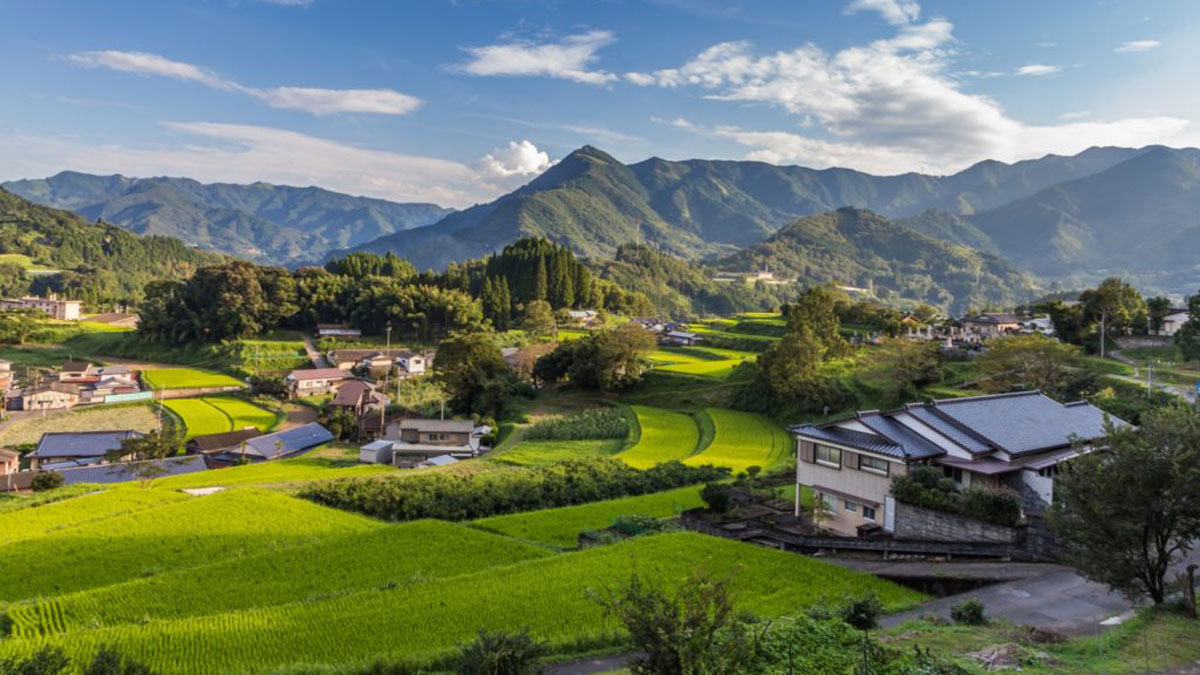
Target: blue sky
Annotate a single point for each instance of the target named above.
(458, 101)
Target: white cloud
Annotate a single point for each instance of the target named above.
(217, 152)
(896, 12)
(514, 165)
(1076, 114)
(1037, 69)
(567, 59)
(309, 99)
(1139, 46)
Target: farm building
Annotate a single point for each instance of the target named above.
(337, 330)
(77, 371)
(417, 440)
(48, 396)
(680, 338)
(215, 444)
(278, 445)
(358, 397)
(315, 381)
(69, 449)
(410, 363)
(376, 452)
(126, 472)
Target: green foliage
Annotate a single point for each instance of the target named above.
(487, 494)
(1124, 512)
(14, 502)
(969, 612)
(17, 326)
(1027, 362)
(45, 661)
(276, 472)
(362, 265)
(502, 653)
(1188, 336)
(475, 376)
(422, 394)
(926, 487)
(608, 359)
(538, 321)
(790, 371)
(717, 497)
(186, 378)
(46, 480)
(590, 423)
(109, 661)
(863, 612)
(65, 508)
(909, 364)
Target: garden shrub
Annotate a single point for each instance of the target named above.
(969, 613)
(47, 480)
(926, 487)
(501, 653)
(862, 613)
(718, 497)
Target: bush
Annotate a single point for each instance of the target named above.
(636, 525)
(969, 613)
(501, 653)
(926, 487)
(109, 661)
(863, 613)
(46, 661)
(592, 423)
(718, 497)
(47, 480)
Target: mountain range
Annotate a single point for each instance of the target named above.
(271, 224)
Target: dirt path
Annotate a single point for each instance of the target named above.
(318, 361)
(301, 414)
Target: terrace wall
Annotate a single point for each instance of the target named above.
(914, 522)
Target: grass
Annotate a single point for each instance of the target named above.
(62, 514)
(116, 418)
(561, 527)
(742, 440)
(426, 620)
(15, 501)
(187, 378)
(280, 472)
(396, 555)
(218, 414)
(150, 541)
(244, 414)
(702, 361)
(38, 356)
(541, 453)
(665, 436)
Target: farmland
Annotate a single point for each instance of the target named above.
(742, 440)
(425, 620)
(218, 414)
(295, 470)
(561, 527)
(401, 555)
(665, 436)
(182, 534)
(541, 453)
(701, 361)
(101, 418)
(48, 519)
(187, 378)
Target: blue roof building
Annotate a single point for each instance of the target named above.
(127, 471)
(279, 445)
(77, 448)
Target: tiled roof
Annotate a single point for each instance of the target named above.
(81, 444)
(850, 438)
(460, 426)
(963, 438)
(318, 374)
(915, 446)
(229, 439)
(289, 441)
(1025, 421)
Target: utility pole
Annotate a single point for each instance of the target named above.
(1103, 317)
(388, 353)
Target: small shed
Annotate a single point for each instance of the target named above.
(376, 452)
(440, 460)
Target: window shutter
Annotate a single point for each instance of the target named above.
(806, 451)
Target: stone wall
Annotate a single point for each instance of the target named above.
(914, 522)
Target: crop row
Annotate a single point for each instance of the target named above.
(743, 440)
(33, 523)
(295, 470)
(665, 436)
(218, 414)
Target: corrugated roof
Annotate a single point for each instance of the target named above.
(124, 473)
(288, 441)
(1025, 421)
(459, 426)
(81, 444)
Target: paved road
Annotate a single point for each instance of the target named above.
(318, 360)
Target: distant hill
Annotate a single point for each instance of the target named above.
(97, 263)
(861, 248)
(272, 224)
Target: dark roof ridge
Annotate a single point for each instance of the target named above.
(981, 397)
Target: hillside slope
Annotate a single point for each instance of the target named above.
(273, 224)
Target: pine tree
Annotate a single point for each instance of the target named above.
(540, 282)
(504, 302)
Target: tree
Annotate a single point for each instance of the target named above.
(693, 629)
(13, 282)
(1027, 362)
(421, 394)
(607, 359)
(501, 653)
(1158, 308)
(142, 454)
(910, 364)
(17, 326)
(108, 661)
(1127, 511)
(474, 374)
(538, 321)
(46, 480)
(45, 661)
(1116, 305)
(1188, 336)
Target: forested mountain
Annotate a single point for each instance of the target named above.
(96, 262)
(860, 248)
(267, 223)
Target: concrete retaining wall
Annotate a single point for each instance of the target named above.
(914, 522)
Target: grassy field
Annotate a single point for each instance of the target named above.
(15, 501)
(244, 414)
(540, 453)
(703, 361)
(103, 418)
(187, 378)
(742, 440)
(549, 596)
(61, 516)
(218, 414)
(399, 555)
(150, 541)
(561, 527)
(665, 436)
(296, 470)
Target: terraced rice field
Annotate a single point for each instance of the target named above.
(187, 378)
(218, 414)
(743, 440)
(60, 516)
(561, 527)
(665, 436)
(541, 453)
(427, 619)
(398, 555)
(702, 361)
(296, 470)
(189, 532)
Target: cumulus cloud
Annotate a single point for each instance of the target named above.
(897, 12)
(1037, 69)
(513, 165)
(309, 99)
(567, 59)
(1076, 114)
(1139, 46)
(217, 152)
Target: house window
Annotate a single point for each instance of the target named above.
(829, 503)
(439, 437)
(1049, 472)
(850, 506)
(868, 513)
(873, 464)
(952, 472)
(828, 456)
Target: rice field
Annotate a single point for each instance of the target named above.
(187, 378)
(541, 453)
(395, 555)
(243, 414)
(549, 596)
(60, 516)
(218, 414)
(149, 541)
(295, 470)
(561, 527)
(743, 440)
(702, 361)
(665, 436)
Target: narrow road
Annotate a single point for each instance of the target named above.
(318, 359)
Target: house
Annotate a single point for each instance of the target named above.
(358, 397)
(680, 338)
(57, 450)
(349, 359)
(279, 445)
(77, 371)
(410, 363)
(990, 325)
(651, 325)
(1174, 320)
(117, 319)
(126, 472)
(1015, 440)
(10, 461)
(1038, 324)
(47, 396)
(63, 310)
(337, 330)
(417, 440)
(216, 444)
(6, 374)
(315, 381)
(585, 318)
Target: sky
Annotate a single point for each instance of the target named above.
(459, 101)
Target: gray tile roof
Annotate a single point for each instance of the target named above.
(850, 438)
(80, 444)
(1026, 421)
(963, 438)
(914, 445)
(122, 473)
(289, 441)
(448, 426)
